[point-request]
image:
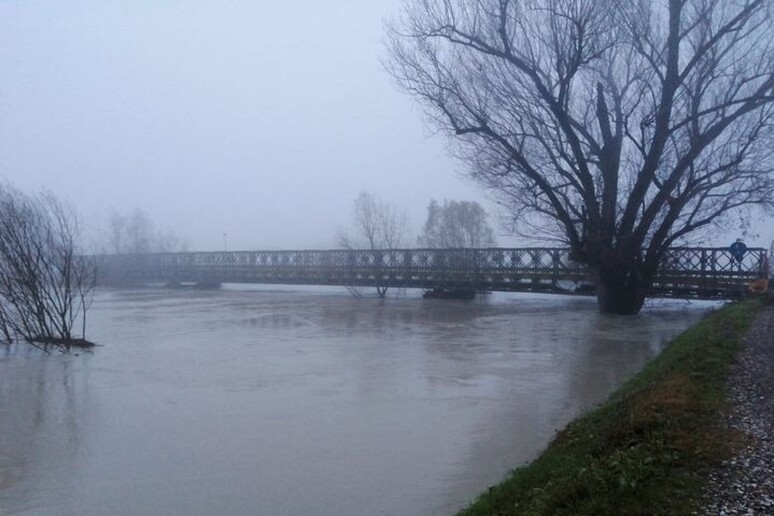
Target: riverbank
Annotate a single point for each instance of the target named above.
(650, 448)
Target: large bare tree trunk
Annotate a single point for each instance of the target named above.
(620, 291)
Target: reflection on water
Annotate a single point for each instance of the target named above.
(305, 401)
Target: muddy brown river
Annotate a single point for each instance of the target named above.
(295, 401)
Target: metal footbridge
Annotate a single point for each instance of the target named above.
(689, 272)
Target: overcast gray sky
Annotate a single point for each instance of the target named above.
(262, 119)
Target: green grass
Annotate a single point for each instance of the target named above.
(647, 450)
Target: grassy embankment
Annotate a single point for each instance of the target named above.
(647, 449)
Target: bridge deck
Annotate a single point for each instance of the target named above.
(685, 272)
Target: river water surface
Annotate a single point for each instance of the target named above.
(295, 401)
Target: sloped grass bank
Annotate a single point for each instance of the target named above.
(647, 450)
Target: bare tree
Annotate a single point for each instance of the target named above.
(456, 224)
(135, 233)
(377, 225)
(132, 235)
(45, 279)
(619, 126)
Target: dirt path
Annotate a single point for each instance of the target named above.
(745, 483)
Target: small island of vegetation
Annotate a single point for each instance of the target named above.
(46, 280)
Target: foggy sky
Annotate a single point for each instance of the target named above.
(256, 118)
(259, 119)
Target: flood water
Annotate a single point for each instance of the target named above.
(295, 401)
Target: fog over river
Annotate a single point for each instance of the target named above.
(292, 401)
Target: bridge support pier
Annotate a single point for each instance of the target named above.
(449, 293)
(199, 285)
(208, 285)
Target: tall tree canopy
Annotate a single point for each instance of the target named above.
(135, 234)
(620, 126)
(456, 224)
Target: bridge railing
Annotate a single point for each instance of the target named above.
(505, 260)
(715, 261)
